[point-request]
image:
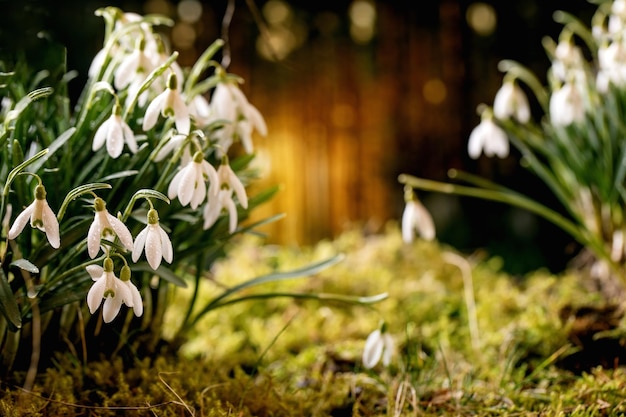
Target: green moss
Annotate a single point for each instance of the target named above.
(284, 357)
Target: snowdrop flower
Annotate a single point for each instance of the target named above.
(134, 67)
(213, 209)
(40, 216)
(227, 179)
(511, 102)
(137, 302)
(379, 344)
(200, 110)
(169, 104)
(416, 219)
(612, 66)
(156, 242)
(189, 184)
(229, 104)
(110, 288)
(105, 226)
(489, 138)
(223, 200)
(566, 105)
(114, 131)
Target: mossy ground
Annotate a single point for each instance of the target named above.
(501, 349)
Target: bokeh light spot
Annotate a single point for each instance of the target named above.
(189, 11)
(434, 91)
(481, 18)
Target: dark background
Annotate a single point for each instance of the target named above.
(425, 142)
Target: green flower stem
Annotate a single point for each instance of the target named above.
(203, 62)
(278, 276)
(77, 192)
(348, 299)
(146, 194)
(513, 199)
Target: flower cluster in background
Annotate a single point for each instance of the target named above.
(569, 132)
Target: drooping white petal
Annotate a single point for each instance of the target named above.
(51, 225)
(101, 135)
(166, 246)
(112, 306)
(129, 138)
(152, 112)
(93, 236)
(373, 349)
(136, 297)
(95, 294)
(181, 113)
(121, 231)
(20, 221)
(154, 248)
(95, 271)
(115, 138)
(140, 242)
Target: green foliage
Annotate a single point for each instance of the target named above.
(292, 357)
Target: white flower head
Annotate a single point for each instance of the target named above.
(511, 102)
(168, 104)
(134, 67)
(40, 216)
(489, 138)
(566, 105)
(156, 242)
(189, 184)
(416, 219)
(230, 105)
(110, 288)
(222, 201)
(379, 344)
(229, 180)
(106, 226)
(114, 131)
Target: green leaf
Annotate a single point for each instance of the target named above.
(8, 304)
(308, 270)
(164, 272)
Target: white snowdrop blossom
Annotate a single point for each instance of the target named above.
(489, 138)
(566, 106)
(215, 206)
(568, 61)
(168, 104)
(612, 66)
(200, 110)
(137, 302)
(40, 216)
(189, 184)
(134, 67)
(227, 179)
(511, 102)
(106, 226)
(230, 105)
(379, 344)
(110, 288)
(156, 242)
(223, 190)
(114, 131)
(416, 219)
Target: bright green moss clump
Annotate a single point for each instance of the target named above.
(284, 357)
